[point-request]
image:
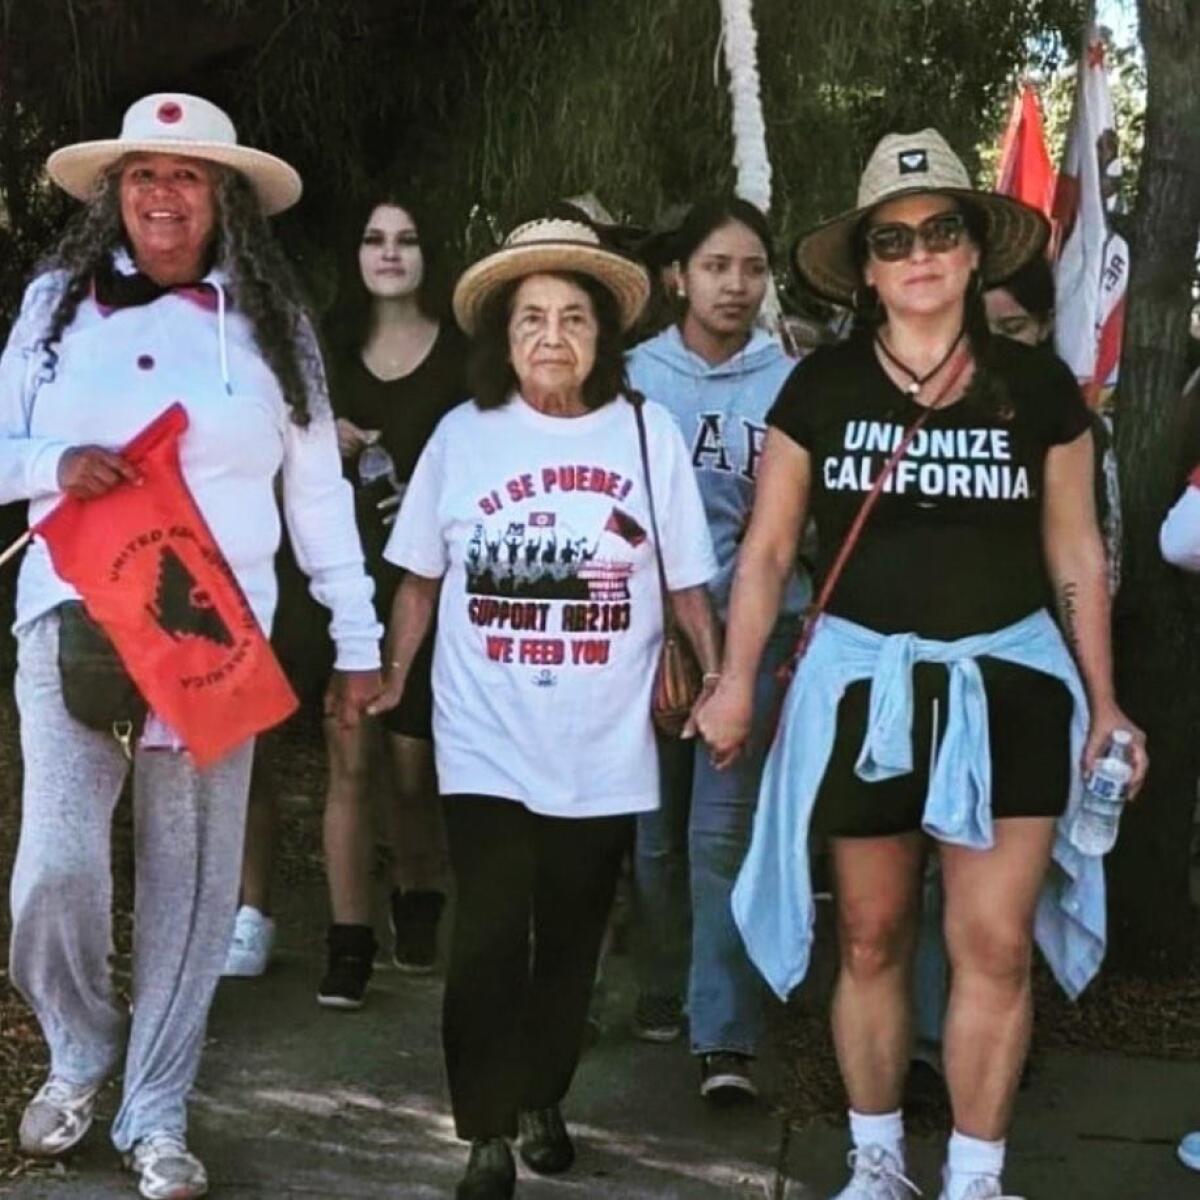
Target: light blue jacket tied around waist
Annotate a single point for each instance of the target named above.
(772, 899)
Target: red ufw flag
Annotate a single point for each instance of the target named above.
(151, 574)
(1026, 172)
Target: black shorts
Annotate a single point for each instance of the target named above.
(1029, 722)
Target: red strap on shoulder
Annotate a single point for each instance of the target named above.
(855, 531)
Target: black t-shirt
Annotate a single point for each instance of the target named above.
(954, 545)
(406, 412)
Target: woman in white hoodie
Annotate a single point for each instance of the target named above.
(718, 375)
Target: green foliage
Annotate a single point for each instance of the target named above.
(489, 108)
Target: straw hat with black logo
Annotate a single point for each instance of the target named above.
(551, 245)
(904, 164)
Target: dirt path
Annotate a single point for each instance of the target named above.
(296, 1101)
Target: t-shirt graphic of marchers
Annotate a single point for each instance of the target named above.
(954, 545)
(550, 620)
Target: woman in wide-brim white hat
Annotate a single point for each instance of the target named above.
(175, 123)
(937, 696)
(529, 525)
(167, 287)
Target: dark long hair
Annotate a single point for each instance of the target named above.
(261, 283)
(490, 370)
(711, 214)
(349, 321)
(987, 391)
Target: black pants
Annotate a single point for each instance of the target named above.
(515, 1004)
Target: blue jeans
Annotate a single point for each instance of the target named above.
(687, 857)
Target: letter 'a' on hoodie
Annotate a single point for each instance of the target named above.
(722, 410)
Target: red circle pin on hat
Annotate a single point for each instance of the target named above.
(169, 112)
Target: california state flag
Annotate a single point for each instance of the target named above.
(1092, 268)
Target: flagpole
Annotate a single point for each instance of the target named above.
(16, 547)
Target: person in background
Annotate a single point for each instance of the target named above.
(396, 369)
(167, 285)
(1022, 308)
(937, 696)
(544, 663)
(718, 375)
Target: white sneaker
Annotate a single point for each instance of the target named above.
(1189, 1150)
(250, 950)
(166, 1169)
(982, 1187)
(877, 1176)
(57, 1117)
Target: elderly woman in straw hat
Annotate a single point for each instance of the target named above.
(939, 705)
(168, 285)
(530, 523)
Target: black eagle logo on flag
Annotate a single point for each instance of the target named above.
(182, 608)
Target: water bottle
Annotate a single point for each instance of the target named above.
(1095, 827)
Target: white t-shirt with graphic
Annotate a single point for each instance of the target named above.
(550, 619)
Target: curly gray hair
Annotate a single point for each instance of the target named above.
(261, 283)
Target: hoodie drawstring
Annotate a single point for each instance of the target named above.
(216, 284)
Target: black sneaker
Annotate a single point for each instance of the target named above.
(351, 958)
(545, 1145)
(491, 1173)
(414, 920)
(657, 1018)
(725, 1078)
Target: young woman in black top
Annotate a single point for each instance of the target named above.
(987, 514)
(395, 368)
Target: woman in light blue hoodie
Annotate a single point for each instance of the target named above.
(719, 375)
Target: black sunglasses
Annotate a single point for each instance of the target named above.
(894, 241)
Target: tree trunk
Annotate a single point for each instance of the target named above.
(1157, 625)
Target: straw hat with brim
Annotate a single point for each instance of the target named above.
(175, 123)
(552, 246)
(904, 164)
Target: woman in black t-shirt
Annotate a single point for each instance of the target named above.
(985, 519)
(396, 369)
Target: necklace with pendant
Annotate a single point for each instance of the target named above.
(917, 381)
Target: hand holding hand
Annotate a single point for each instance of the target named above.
(349, 695)
(722, 718)
(389, 695)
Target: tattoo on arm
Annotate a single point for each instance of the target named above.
(1068, 612)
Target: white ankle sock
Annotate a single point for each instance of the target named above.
(879, 1129)
(967, 1158)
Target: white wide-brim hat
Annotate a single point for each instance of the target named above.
(175, 123)
(553, 246)
(904, 164)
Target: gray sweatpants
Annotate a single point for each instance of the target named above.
(188, 830)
